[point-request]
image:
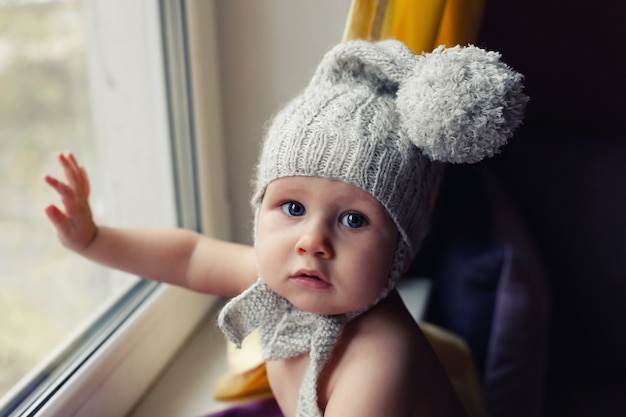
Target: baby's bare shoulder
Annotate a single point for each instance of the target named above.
(386, 362)
(387, 332)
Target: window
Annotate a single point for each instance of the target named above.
(109, 81)
(46, 292)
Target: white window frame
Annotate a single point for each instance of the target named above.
(157, 106)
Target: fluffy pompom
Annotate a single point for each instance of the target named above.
(461, 104)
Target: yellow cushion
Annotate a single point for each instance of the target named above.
(456, 357)
(247, 376)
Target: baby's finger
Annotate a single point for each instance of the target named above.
(82, 181)
(55, 215)
(85, 179)
(82, 186)
(69, 168)
(58, 219)
(63, 189)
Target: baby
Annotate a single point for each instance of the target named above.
(343, 192)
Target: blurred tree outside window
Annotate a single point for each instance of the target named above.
(46, 292)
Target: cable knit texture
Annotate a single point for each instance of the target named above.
(383, 119)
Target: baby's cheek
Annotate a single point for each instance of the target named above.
(378, 279)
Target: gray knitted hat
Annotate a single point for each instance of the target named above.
(377, 116)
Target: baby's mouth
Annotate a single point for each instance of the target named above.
(310, 279)
(309, 273)
(310, 276)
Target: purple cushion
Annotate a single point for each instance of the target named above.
(260, 408)
(516, 359)
(490, 288)
(466, 295)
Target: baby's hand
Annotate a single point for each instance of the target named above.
(75, 226)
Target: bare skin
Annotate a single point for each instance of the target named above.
(175, 256)
(383, 364)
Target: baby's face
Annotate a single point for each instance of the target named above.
(325, 245)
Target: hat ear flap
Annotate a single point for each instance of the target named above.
(461, 104)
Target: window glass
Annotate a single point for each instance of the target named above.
(46, 293)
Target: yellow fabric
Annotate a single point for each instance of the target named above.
(458, 362)
(460, 24)
(247, 376)
(416, 23)
(421, 24)
(237, 386)
(248, 357)
(364, 19)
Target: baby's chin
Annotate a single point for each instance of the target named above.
(327, 309)
(324, 304)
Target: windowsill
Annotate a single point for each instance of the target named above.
(186, 387)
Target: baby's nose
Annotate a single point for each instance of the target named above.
(315, 241)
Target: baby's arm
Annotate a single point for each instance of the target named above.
(176, 256)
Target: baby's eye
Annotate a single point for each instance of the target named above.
(354, 220)
(293, 208)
